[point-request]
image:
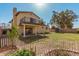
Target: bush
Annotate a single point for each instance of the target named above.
(57, 30)
(23, 53)
(77, 31)
(68, 31)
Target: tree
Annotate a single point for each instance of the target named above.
(64, 19)
(13, 34)
(42, 21)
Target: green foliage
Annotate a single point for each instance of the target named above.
(13, 33)
(64, 19)
(23, 53)
(42, 21)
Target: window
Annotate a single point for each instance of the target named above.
(32, 20)
(24, 20)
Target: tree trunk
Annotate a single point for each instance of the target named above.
(65, 26)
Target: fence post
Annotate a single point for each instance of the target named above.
(35, 50)
(0, 42)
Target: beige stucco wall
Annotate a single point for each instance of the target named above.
(39, 29)
(28, 15)
(36, 29)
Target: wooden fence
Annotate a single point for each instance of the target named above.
(4, 41)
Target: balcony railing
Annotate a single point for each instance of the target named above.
(31, 21)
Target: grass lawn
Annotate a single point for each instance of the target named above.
(58, 36)
(63, 36)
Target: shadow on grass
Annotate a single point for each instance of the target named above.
(32, 38)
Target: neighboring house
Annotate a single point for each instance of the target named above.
(27, 22)
(4, 27)
(0, 30)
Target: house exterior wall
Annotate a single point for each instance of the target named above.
(36, 28)
(40, 29)
(27, 15)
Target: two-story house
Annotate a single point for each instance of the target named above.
(27, 22)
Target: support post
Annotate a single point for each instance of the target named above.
(24, 31)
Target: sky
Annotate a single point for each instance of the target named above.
(44, 11)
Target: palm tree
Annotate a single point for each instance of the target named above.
(13, 34)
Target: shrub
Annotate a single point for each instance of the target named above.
(57, 30)
(78, 31)
(23, 53)
(68, 31)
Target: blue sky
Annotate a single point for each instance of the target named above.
(44, 11)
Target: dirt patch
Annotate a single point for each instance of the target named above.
(62, 52)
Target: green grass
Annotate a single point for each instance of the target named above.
(63, 36)
(58, 36)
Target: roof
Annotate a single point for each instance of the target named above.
(26, 12)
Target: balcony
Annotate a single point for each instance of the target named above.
(29, 21)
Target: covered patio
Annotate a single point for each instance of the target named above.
(30, 29)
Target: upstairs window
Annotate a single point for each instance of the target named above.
(24, 20)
